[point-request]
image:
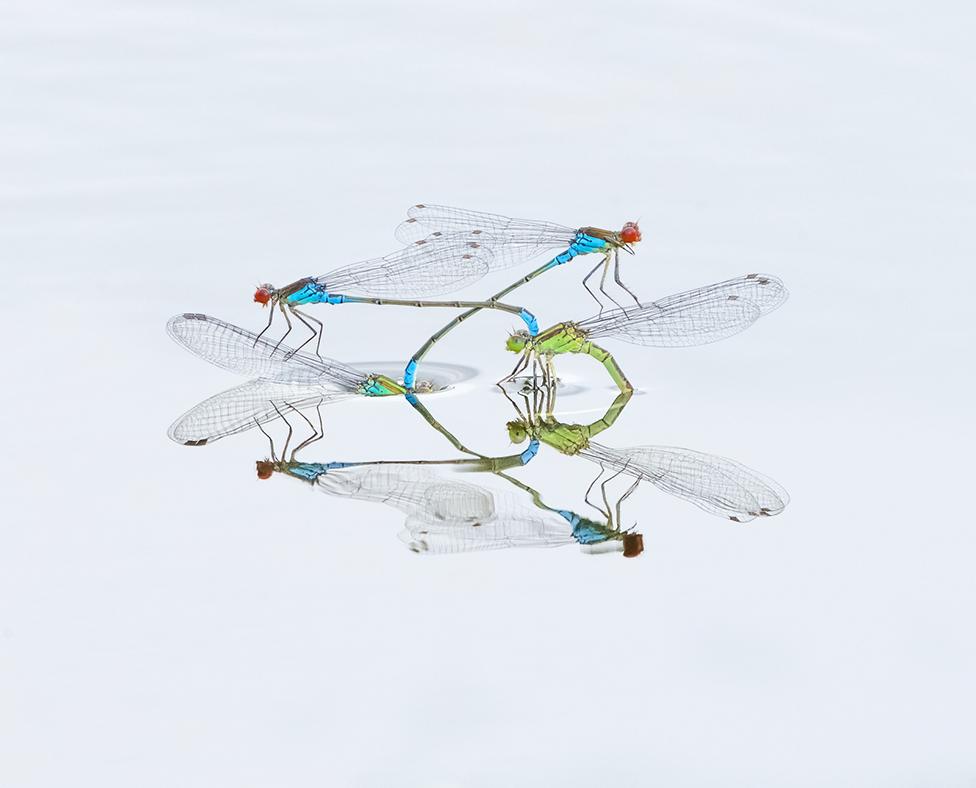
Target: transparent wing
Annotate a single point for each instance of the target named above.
(513, 525)
(413, 489)
(438, 264)
(239, 350)
(680, 326)
(764, 290)
(716, 484)
(696, 317)
(511, 240)
(244, 407)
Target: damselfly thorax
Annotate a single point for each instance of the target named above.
(615, 238)
(560, 338)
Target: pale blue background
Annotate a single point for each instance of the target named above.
(166, 620)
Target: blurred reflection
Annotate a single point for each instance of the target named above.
(716, 484)
(446, 515)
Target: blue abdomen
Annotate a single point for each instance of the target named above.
(530, 452)
(530, 321)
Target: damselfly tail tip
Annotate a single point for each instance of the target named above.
(265, 469)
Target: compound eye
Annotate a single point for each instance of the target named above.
(630, 234)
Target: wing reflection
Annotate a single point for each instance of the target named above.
(283, 378)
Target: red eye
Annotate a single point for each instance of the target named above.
(262, 295)
(631, 233)
(265, 469)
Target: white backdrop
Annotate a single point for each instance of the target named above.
(166, 619)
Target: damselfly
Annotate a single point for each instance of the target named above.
(515, 240)
(696, 317)
(441, 263)
(293, 377)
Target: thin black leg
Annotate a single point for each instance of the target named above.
(616, 277)
(587, 287)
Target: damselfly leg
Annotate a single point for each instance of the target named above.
(623, 498)
(271, 314)
(550, 387)
(284, 451)
(284, 313)
(616, 275)
(274, 457)
(592, 271)
(603, 493)
(603, 279)
(317, 335)
(317, 434)
(549, 379)
(586, 495)
(523, 362)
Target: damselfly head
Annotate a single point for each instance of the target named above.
(633, 545)
(630, 234)
(265, 469)
(517, 341)
(264, 294)
(517, 431)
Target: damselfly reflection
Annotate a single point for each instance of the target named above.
(715, 484)
(445, 515)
